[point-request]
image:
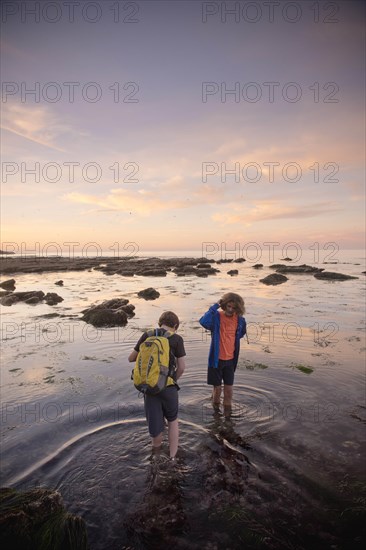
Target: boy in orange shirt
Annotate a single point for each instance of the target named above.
(227, 327)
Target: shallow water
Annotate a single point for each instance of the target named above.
(73, 420)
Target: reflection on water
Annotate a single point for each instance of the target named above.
(284, 470)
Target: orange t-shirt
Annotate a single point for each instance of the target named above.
(228, 326)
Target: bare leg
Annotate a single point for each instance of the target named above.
(157, 441)
(216, 394)
(228, 396)
(173, 437)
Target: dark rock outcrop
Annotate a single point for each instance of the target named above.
(149, 294)
(52, 299)
(105, 318)
(9, 300)
(332, 276)
(110, 313)
(257, 266)
(224, 261)
(274, 279)
(59, 283)
(152, 272)
(8, 285)
(31, 297)
(233, 272)
(307, 269)
(277, 266)
(38, 519)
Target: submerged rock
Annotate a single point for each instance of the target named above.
(332, 276)
(274, 279)
(220, 467)
(38, 519)
(149, 294)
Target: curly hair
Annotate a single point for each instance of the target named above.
(236, 299)
(169, 319)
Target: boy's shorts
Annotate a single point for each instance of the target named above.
(223, 373)
(160, 406)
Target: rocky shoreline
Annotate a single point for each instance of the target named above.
(150, 267)
(129, 266)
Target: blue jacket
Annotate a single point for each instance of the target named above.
(211, 321)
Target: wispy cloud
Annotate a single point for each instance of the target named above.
(273, 210)
(142, 201)
(37, 124)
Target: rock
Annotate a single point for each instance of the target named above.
(126, 272)
(114, 303)
(8, 285)
(233, 272)
(148, 294)
(274, 279)
(52, 298)
(332, 276)
(184, 270)
(299, 269)
(38, 519)
(287, 259)
(205, 261)
(129, 309)
(59, 283)
(277, 266)
(33, 300)
(23, 296)
(257, 266)
(32, 297)
(207, 271)
(152, 272)
(9, 300)
(203, 266)
(110, 313)
(224, 261)
(105, 318)
(240, 260)
(201, 273)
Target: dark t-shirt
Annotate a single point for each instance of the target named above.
(176, 347)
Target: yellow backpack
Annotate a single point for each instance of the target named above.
(151, 373)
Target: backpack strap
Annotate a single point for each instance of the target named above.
(155, 332)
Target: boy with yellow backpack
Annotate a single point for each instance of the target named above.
(159, 363)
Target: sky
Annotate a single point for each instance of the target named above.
(169, 124)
